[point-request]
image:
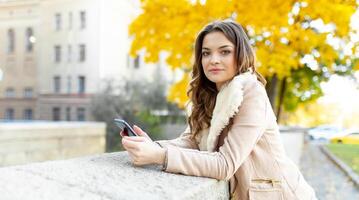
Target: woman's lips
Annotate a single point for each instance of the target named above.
(215, 70)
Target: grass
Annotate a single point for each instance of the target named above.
(349, 153)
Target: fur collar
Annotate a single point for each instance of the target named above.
(228, 100)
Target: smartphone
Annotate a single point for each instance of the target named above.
(126, 128)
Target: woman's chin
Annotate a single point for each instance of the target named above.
(216, 80)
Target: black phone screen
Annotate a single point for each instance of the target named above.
(126, 128)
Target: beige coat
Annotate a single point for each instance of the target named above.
(250, 154)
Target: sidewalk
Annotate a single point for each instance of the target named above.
(328, 181)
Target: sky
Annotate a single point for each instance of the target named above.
(341, 90)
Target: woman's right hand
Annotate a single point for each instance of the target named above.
(142, 149)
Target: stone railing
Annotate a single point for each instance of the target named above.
(293, 141)
(107, 176)
(39, 141)
(112, 176)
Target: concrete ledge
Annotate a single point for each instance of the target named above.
(112, 176)
(344, 167)
(14, 131)
(292, 137)
(106, 176)
(293, 144)
(22, 142)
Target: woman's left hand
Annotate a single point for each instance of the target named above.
(142, 150)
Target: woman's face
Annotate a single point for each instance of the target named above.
(218, 58)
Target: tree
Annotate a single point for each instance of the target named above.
(282, 32)
(134, 103)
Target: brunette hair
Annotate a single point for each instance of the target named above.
(202, 92)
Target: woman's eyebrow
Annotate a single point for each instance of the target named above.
(221, 47)
(224, 46)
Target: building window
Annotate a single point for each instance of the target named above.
(69, 53)
(30, 39)
(57, 21)
(56, 114)
(28, 93)
(57, 52)
(28, 114)
(82, 20)
(11, 41)
(80, 114)
(82, 84)
(10, 93)
(57, 84)
(137, 62)
(9, 114)
(68, 114)
(70, 20)
(69, 83)
(82, 52)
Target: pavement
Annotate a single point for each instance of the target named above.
(328, 181)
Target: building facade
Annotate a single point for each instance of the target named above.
(18, 63)
(68, 61)
(71, 48)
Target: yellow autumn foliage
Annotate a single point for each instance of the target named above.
(177, 93)
(312, 114)
(280, 30)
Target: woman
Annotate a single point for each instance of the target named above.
(232, 133)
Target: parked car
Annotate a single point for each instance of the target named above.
(349, 137)
(324, 132)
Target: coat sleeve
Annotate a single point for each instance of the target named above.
(183, 141)
(248, 127)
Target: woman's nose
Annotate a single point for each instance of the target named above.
(215, 59)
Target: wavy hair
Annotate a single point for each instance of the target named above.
(202, 91)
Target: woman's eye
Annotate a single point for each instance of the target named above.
(205, 53)
(225, 52)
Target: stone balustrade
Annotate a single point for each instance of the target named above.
(22, 142)
(106, 176)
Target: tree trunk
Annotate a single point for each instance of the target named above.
(281, 97)
(271, 89)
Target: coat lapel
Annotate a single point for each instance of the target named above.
(227, 105)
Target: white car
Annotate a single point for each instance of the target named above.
(325, 132)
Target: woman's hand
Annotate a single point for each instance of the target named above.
(142, 149)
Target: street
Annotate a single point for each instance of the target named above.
(328, 181)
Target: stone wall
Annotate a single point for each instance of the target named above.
(107, 177)
(39, 141)
(293, 144)
(111, 176)
(292, 138)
